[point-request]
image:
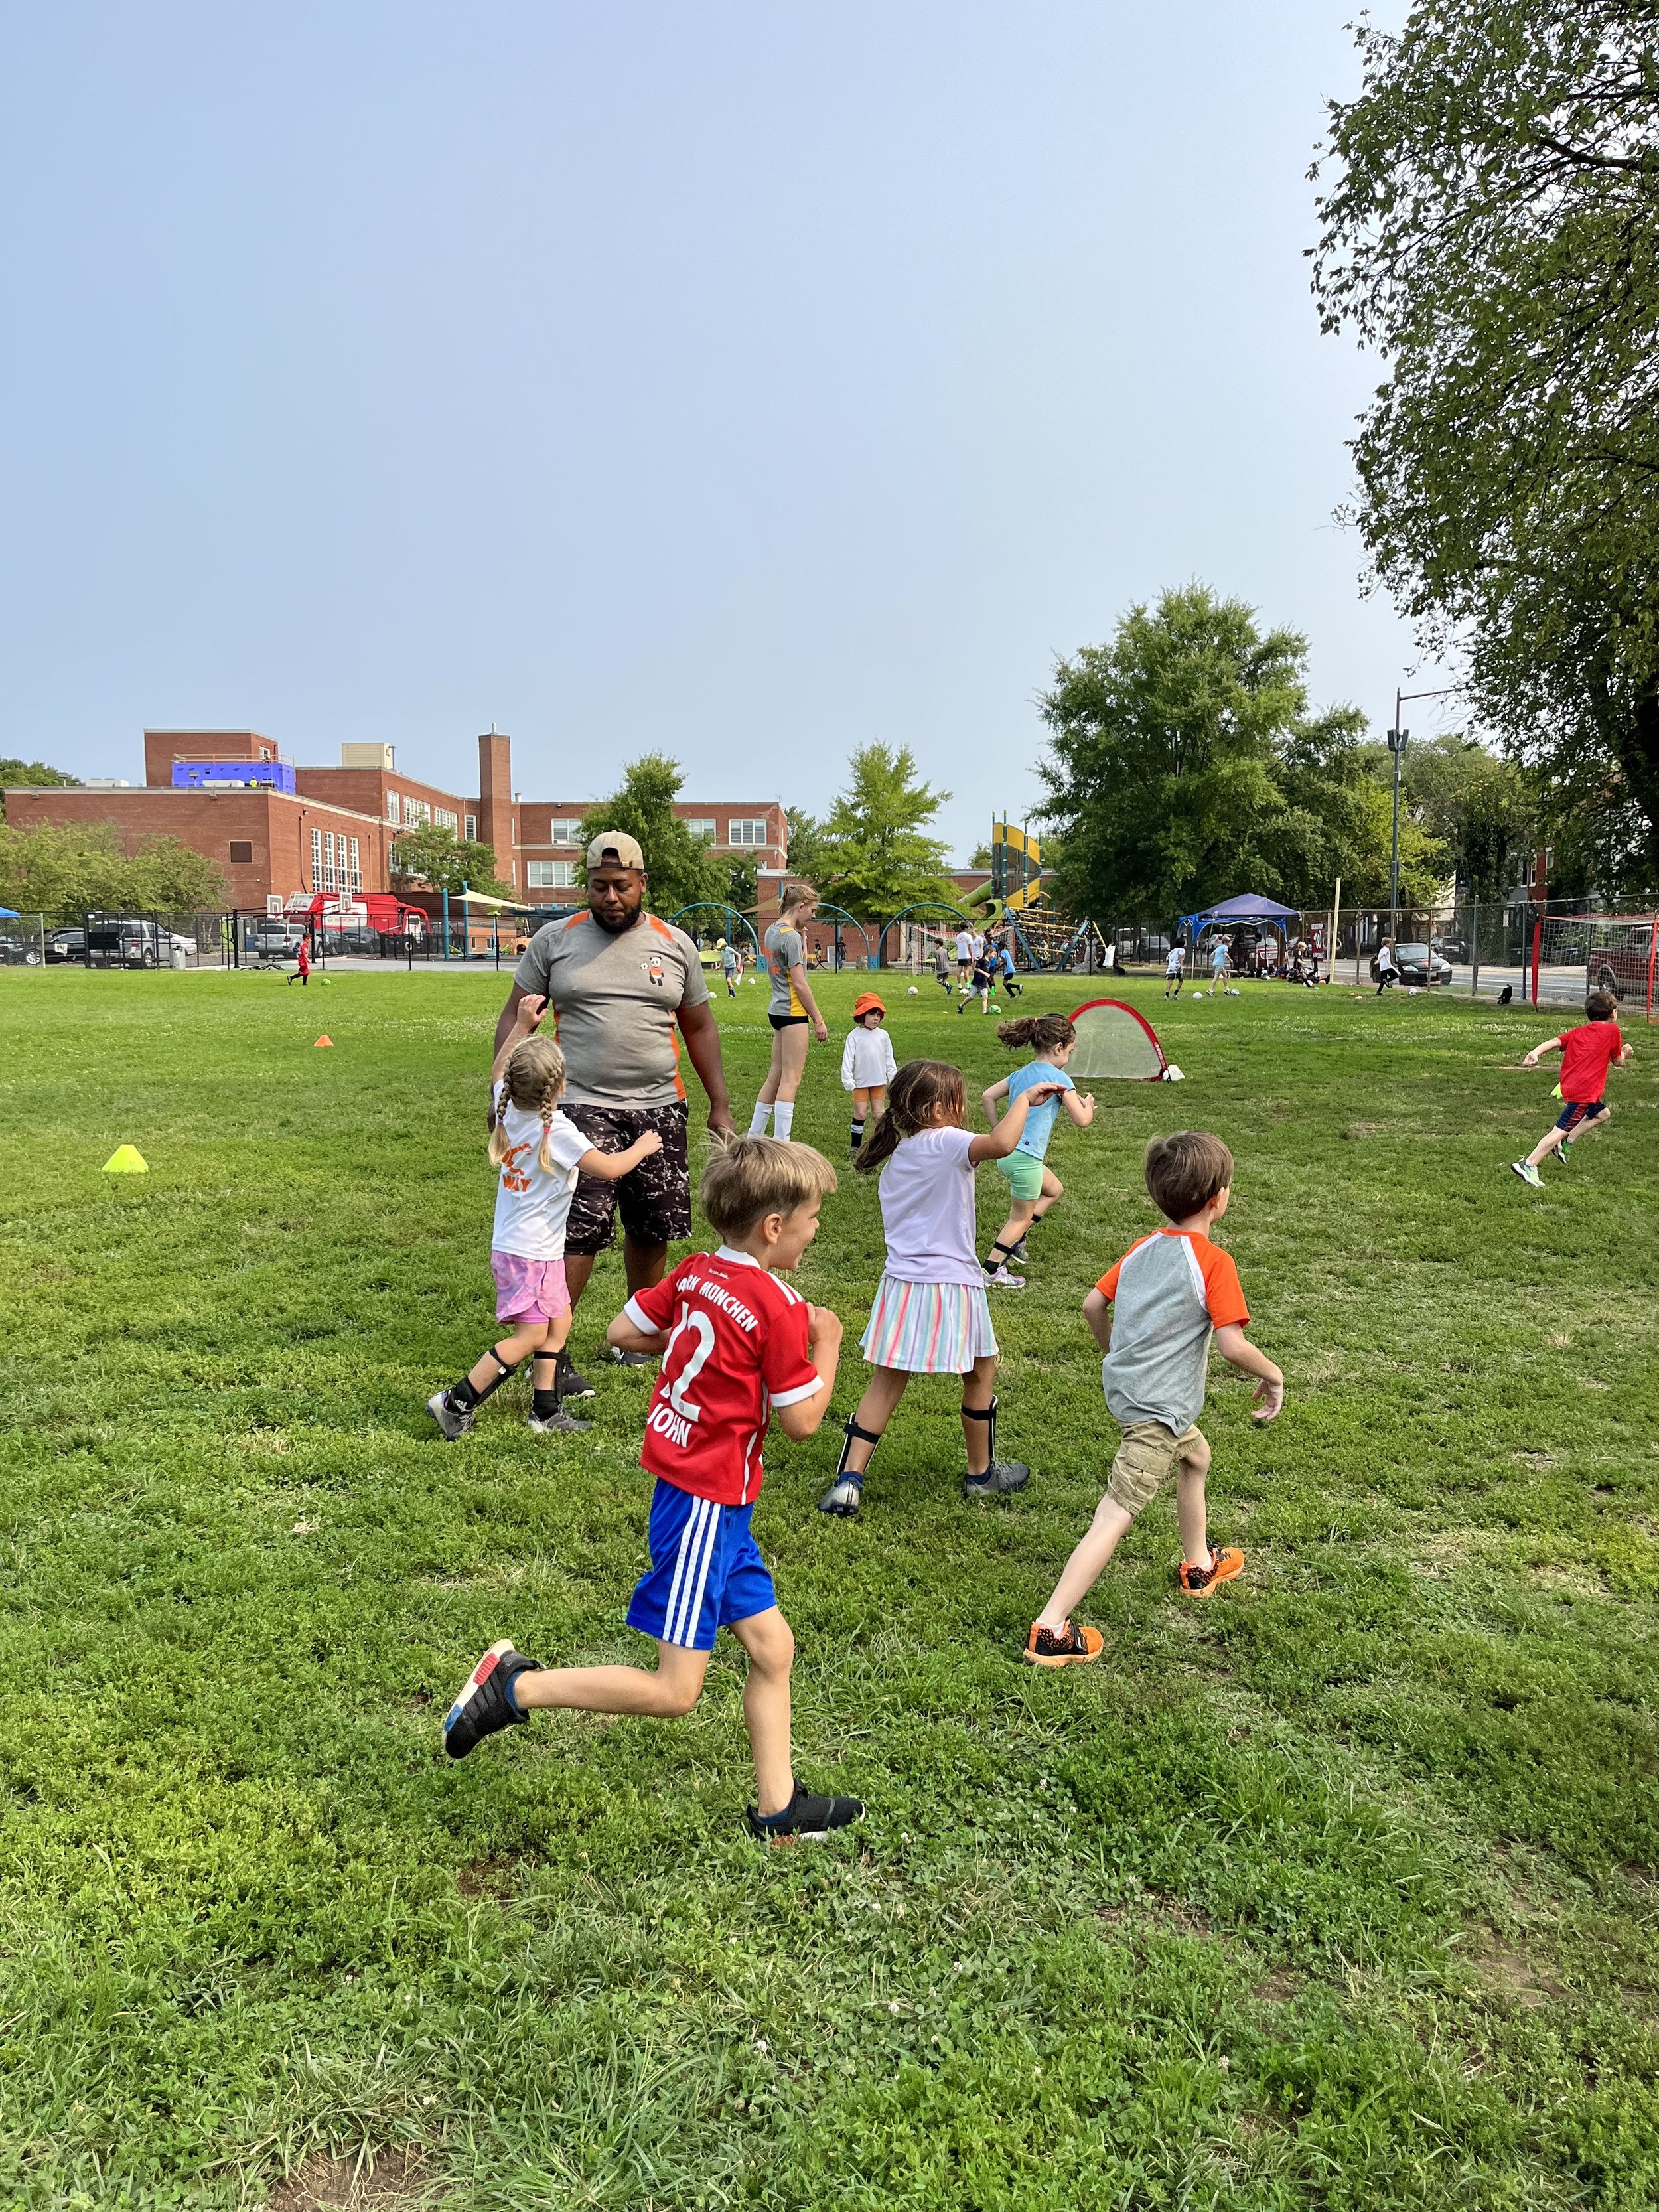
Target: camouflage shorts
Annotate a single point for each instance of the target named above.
(655, 1197)
(1145, 1460)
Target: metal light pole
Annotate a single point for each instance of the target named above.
(1397, 742)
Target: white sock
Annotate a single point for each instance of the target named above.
(783, 1120)
(757, 1120)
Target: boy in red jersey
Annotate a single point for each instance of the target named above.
(1587, 1054)
(737, 1346)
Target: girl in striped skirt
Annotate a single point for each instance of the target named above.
(931, 1317)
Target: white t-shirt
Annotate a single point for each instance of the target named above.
(866, 1060)
(1172, 965)
(927, 1209)
(964, 944)
(533, 1207)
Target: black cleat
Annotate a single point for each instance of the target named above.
(567, 1382)
(806, 1818)
(633, 1358)
(450, 1419)
(1001, 1476)
(485, 1704)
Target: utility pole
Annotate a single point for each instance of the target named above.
(1397, 742)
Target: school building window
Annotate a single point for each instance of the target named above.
(564, 832)
(415, 811)
(336, 862)
(242, 851)
(702, 825)
(550, 875)
(394, 812)
(750, 832)
(470, 828)
(444, 819)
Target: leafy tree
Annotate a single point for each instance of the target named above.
(875, 853)
(438, 858)
(68, 870)
(1481, 808)
(1185, 765)
(681, 867)
(809, 854)
(980, 857)
(1493, 230)
(36, 775)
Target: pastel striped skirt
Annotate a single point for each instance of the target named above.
(929, 1328)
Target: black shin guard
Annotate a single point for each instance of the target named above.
(855, 1434)
(989, 1414)
(503, 1373)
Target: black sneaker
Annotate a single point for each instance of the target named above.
(557, 1423)
(633, 1358)
(1001, 1476)
(567, 1382)
(844, 1496)
(450, 1419)
(484, 1704)
(806, 1819)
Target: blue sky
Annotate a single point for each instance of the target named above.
(742, 382)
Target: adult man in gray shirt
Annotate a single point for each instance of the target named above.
(619, 982)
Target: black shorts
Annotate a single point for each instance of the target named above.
(1572, 1113)
(787, 1021)
(655, 1197)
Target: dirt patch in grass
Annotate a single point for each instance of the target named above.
(489, 1878)
(393, 2182)
(1499, 1970)
(1277, 1988)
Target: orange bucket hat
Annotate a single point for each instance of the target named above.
(867, 1003)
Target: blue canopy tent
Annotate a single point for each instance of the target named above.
(1249, 906)
(9, 914)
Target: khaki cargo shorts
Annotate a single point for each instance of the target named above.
(1145, 1460)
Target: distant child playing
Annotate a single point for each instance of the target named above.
(1173, 972)
(731, 968)
(1587, 1054)
(737, 1346)
(942, 965)
(1033, 1186)
(1170, 1292)
(866, 1062)
(302, 965)
(931, 1317)
(539, 1152)
(979, 983)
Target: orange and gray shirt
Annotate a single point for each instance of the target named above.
(1170, 1293)
(614, 1000)
(785, 950)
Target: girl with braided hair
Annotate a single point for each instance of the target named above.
(931, 1315)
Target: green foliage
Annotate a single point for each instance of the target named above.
(874, 850)
(809, 851)
(1185, 766)
(1334, 1892)
(69, 870)
(1477, 807)
(15, 774)
(1493, 232)
(681, 867)
(438, 858)
(979, 857)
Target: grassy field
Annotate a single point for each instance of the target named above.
(1338, 1891)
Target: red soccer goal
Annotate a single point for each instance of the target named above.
(1573, 953)
(1113, 1041)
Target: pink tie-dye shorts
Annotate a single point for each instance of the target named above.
(529, 1290)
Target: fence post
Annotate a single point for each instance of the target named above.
(1474, 946)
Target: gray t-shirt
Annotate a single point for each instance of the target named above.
(785, 950)
(1168, 1294)
(615, 999)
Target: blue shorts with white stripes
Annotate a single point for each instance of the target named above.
(705, 1571)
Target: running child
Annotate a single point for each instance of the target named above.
(790, 1009)
(1587, 1054)
(737, 1346)
(1033, 1186)
(539, 1152)
(731, 968)
(979, 985)
(866, 1060)
(1010, 981)
(1171, 1293)
(931, 1315)
(1173, 976)
(942, 965)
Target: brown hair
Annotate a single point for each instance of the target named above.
(1601, 1006)
(532, 1081)
(1186, 1171)
(918, 1090)
(752, 1176)
(1043, 1032)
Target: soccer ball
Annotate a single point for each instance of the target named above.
(912, 992)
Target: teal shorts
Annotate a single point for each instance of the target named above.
(1023, 1172)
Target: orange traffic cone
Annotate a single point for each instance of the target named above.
(321, 1041)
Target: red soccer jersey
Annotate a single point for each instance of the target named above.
(1586, 1055)
(737, 1348)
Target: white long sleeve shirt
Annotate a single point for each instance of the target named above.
(867, 1062)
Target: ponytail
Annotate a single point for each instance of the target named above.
(1043, 1032)
(918, 1090)
(498, 1131)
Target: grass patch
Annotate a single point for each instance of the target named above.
(1337, 1891)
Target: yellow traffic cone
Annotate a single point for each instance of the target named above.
(126, 1159)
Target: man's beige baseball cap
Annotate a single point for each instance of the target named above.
(618, 847)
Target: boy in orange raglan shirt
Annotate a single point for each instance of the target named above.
(1171, 1293)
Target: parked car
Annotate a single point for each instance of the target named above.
(18, 952)
(276, 939)
(67, 945)
(1417, 964)
(116, 940)
(1622, 965)
(1453, 948)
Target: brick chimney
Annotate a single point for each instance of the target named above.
(496, 803)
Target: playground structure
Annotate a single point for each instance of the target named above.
(1016, 869)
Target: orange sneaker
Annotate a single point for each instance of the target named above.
(1070, 1646)
(1202, 1581)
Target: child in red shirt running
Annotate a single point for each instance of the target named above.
(1171, 1293)
(737, 1346)
(1587, 1054)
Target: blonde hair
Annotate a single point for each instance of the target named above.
(532, 1081)
(752, 1176)
(796, 896)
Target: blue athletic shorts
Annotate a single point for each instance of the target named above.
(705, 1571)
(1571, 1115)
